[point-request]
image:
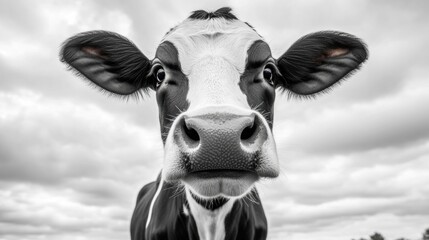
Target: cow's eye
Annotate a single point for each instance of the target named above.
(268, 75)
(160, 76)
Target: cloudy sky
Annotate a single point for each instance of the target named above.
(353, 161)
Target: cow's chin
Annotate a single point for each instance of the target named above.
(209, 184)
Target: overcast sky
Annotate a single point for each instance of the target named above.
(353, 161)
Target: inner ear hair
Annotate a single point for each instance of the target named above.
(94, 51)
(331, 53)
(336, 52)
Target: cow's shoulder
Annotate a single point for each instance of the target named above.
(141, 211)
(166, 203)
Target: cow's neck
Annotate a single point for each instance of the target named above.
(174, 215)
(210, 219)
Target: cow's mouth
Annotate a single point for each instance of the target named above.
(225, 183)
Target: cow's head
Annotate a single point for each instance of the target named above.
(215, 82)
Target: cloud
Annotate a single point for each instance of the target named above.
(390, 122)
(63, 148)
(29, 211)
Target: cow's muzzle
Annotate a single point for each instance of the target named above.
(225, 152)
(220, 141)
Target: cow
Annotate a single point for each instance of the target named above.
(215, 82)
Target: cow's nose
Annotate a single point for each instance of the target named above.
(227, 126)
(220, 141)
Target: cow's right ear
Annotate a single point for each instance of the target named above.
(109, 60)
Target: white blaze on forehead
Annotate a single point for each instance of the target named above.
(212, 54)
(195, 39)
(214, 81)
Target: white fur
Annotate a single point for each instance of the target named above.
(196, 39)
(214, 81)
(185, 210)
(210, 224)
(153, 202)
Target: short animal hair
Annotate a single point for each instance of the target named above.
(224, 12)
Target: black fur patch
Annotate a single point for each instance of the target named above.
(171, 94)
(224, 12)
(260, 94)
(257, 54)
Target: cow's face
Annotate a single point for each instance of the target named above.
(215, 93)
(215, 82)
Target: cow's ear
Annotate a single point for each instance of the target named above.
(109, 60)
(319, 60)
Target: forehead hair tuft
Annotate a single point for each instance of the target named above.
(224, 12)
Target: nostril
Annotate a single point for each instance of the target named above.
(248, 132)
(191, 133)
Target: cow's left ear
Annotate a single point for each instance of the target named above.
(319, 60)
(108, 60)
